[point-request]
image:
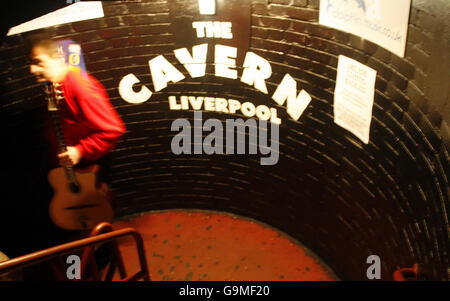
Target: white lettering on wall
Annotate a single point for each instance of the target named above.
(256, 71)
(195, 64)
(225, 61)
(213, 29)
(127, 93)
(288, 90)
(163, 72)
(222, 105)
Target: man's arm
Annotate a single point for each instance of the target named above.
(102, 118)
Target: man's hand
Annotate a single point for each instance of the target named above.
(69, 158)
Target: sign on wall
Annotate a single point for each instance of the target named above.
(229, 25)
(353, 97)
(216, 45)
(384, 22)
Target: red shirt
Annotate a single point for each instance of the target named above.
(88, 119)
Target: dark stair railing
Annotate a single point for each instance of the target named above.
(102, 234)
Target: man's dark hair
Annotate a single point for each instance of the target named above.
(45, 42)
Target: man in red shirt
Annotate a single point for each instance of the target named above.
(90, 123)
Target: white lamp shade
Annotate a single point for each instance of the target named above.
(207, 7)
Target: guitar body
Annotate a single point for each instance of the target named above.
(80, 210)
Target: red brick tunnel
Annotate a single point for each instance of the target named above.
(240, 161)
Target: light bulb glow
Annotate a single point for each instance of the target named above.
(207, 7)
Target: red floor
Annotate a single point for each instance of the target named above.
(202, 245)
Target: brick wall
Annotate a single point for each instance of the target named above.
(344, 199)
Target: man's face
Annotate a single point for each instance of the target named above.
(44, 66)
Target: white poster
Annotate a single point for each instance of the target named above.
(384, 22)
(353, 97)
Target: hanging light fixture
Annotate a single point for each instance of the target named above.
(207, 7)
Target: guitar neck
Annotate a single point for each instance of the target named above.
(53, 98)
(62, 146)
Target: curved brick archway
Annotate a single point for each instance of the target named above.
(342, 198)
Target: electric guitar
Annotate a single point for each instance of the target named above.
(80, 201)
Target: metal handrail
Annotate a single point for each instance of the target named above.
(407, 274)
(57, 251)
(88, 261)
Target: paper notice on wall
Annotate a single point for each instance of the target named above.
(384, 22)
(353, 97)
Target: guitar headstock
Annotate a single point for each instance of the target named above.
(52, 105)
(58, 92)
(54, 95)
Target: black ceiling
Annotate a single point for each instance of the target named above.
(19, 11)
